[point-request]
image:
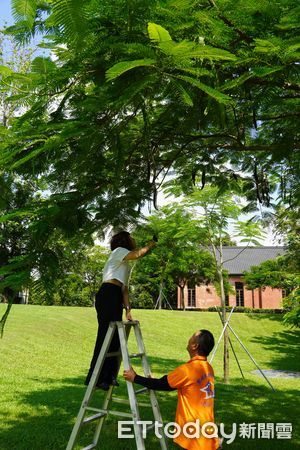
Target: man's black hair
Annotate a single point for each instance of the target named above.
(206, 342)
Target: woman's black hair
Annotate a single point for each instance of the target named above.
(121, 239)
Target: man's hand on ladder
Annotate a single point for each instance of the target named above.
(129, 375)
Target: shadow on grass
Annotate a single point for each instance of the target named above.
(55, 408)
(283, 347)
(252, 403)
(270, 316)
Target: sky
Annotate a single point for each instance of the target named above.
(6, 19)
(5, 13)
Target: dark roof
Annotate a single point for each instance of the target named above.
(236, 260)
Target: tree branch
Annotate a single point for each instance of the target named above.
(280, 116)
(231, 259)
(230, 24)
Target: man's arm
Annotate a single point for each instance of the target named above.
(156, 384)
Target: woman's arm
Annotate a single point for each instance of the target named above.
(126, 302)
(139, 252)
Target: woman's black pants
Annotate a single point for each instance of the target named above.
(109, 305)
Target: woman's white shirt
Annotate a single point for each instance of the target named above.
(116, 268)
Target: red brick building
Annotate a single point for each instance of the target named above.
(237, 262)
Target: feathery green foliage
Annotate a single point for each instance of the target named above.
(137, 89)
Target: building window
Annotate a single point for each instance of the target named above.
(192, 297)
(239, 293)
(226, 300)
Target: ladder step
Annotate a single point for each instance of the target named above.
(105, 412)
(131, 323)
(89, 447)
(127, 402)
(120, 413)
(94, 417)
(141, 391)
(136, 355)
(120, 400)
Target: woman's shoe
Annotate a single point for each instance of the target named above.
(114, 382)
(104, 386)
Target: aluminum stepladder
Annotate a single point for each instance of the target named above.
(98, 415)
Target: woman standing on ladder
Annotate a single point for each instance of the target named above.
(110, 299)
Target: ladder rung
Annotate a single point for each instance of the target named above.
(136, 355)
(89, 408)
(94, 417)
(89, 447)
(127, 402)
(120, 413)
(150, 427)
(131, 323)
(120, 400)
(141, 391)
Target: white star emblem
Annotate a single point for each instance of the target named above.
(209, 392)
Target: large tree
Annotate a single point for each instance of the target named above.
(140, 88)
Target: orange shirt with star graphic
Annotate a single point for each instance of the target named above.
(194, 381)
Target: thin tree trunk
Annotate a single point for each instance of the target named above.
(10, 299)
(226, 337)
(182, 302)
(161, 286)
(219, 263)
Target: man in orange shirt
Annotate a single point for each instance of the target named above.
(194, 381)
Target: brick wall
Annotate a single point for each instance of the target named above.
(206, 296)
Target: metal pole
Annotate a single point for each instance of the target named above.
(166, 300)
(251, 357)
(223, 331)
(237, 361)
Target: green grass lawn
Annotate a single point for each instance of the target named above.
(45, 354)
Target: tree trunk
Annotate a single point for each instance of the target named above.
(182, 302)
(161, 286)
(226, 337)
(10, 299)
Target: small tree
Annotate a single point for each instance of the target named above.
(14, 59)
(279, 273)
(177, 257)
(79, 279)
(194, 266)
(216, 213)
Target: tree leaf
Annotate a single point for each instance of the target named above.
(218, 96)
(184, 95)
(42, 65)
(5, 71)
(24, 11)
(122, 67)
(187, 49)
(157, 33)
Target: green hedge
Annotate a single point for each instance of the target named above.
(242, 309)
